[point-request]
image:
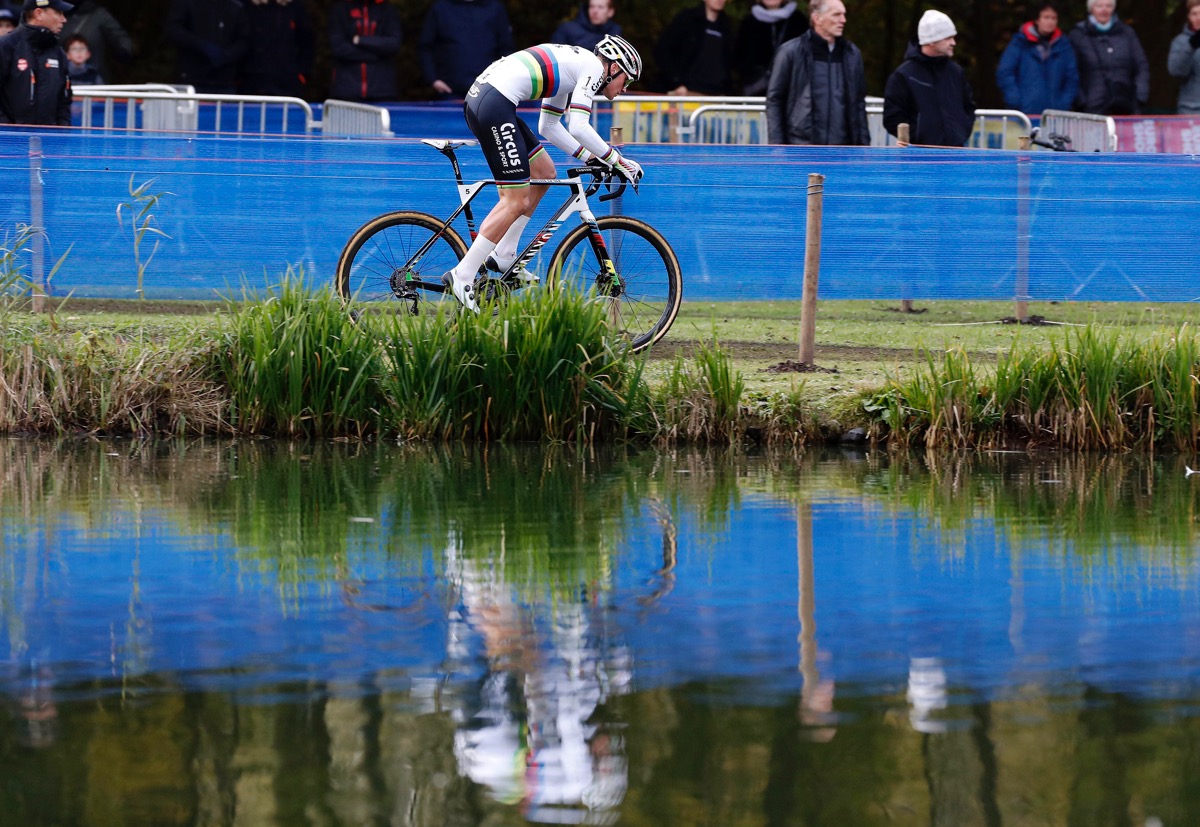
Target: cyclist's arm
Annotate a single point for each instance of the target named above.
(576, 138)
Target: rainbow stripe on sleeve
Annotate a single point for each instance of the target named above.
(543, 72)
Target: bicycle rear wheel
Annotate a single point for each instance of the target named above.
(379, 263)
(645, 287)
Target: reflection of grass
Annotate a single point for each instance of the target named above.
(552, 523)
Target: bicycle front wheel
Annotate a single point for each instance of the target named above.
(644, 288)
(380, 262)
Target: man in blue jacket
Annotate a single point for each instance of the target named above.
(589, 27)
(34, 85)
(459, 39)
(1037, 71)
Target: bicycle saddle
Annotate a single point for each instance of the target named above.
(440, 143)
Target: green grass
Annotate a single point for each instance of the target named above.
(297, 364)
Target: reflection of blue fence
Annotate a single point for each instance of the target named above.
(918, 223)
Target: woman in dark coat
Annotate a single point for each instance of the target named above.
(769, 25)
(1114, 75)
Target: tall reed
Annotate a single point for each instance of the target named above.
(700, 400)
(541, 365)
(295, 363)
(1095, 390)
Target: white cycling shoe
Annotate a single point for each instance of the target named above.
(464, 291)
(521, 274)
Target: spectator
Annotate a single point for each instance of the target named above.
(818, 88)
(1037, 71)
(79, 67)
(459, 39)
(280, 58)
(1184, 61)
(8, 21)
(34, 87)
(212, 38)
(769, 24)
(593, 22)
(104, 35)
(929, 91)
(1114, 75)
(364, 36)
(695, 51)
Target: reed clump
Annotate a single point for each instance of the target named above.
(104, 383)
(295, 363)
(540, 366)
(1094, 390)
(700, 400)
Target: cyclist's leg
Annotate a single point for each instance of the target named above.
(540, 167)
(503, 137)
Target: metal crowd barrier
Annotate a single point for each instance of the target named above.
(1088, 133)
(161, 107)
(352, 118)
(743, 121)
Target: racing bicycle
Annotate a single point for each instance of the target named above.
(400, 257)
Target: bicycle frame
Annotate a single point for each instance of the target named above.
(576, 203)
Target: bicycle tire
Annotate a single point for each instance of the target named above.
(379, 254)
(651, 286)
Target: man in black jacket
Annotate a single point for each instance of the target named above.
(364, 36)
(34, 85)
(929, 91)
(212, 37)
(695, 51)
(280, 58)
(818, 88)
(594, 21)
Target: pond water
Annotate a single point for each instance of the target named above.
(268, 633)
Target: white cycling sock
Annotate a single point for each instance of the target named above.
(506, 248)
(473, 260)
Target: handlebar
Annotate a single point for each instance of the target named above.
(601, 177)
(1059, 143)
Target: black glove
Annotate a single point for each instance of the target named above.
(1195, 40)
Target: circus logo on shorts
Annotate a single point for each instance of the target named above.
(22, 65)
(506, 140)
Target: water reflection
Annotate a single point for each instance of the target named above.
(262, 633)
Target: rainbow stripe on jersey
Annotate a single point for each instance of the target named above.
(544, 73)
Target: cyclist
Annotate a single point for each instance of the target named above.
(566, 79)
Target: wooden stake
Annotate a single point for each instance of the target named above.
(902, 136)
(812, 267)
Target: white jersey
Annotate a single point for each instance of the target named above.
(566, 79)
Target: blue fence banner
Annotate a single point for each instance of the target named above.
(918, 223)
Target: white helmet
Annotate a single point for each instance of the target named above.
(621, 51)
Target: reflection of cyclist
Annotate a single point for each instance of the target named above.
(566, 79)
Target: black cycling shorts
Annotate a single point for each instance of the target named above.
(506, 140)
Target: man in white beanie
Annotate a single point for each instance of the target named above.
(929, 91)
